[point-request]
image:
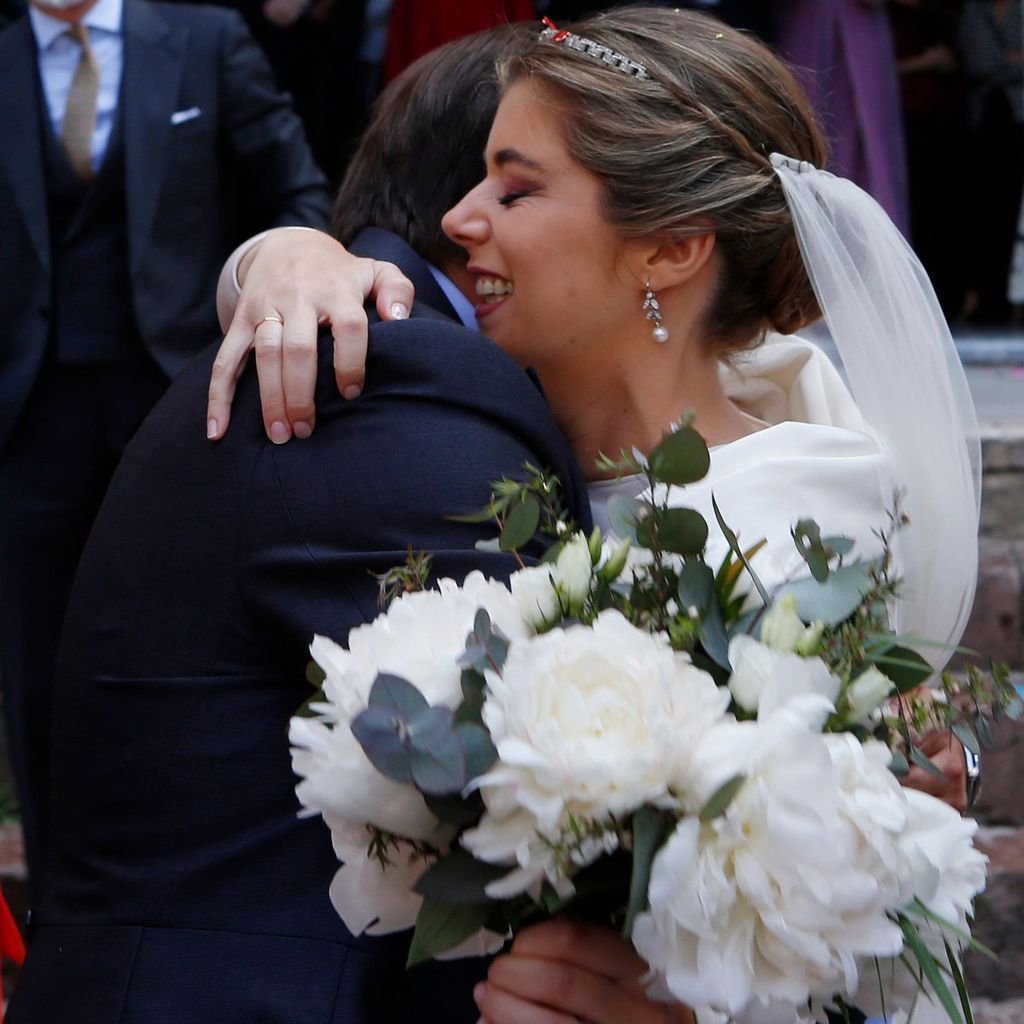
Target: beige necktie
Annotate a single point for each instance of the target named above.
(79, 122)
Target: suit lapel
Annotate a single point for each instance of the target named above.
(21, 155)
(153, 62)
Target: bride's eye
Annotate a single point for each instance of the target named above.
(510, 197)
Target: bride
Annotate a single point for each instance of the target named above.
(651, 211)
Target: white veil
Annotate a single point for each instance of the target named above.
(906, 377)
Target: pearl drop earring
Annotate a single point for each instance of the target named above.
(652, 310)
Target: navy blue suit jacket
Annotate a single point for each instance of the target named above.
(181, 885)
(193, 189)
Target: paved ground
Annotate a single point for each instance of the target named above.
(999, 397)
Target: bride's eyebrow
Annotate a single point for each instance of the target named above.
(512, 156)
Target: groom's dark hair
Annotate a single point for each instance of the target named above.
(423, 148)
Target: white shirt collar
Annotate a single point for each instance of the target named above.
(107, 16)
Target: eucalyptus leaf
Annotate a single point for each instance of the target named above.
(930, 967)
(441, 926)
(479, 750)
(718, 802)
(906, 668)
(649, 829)
(623, 515)
(1014, 707)
(984, 731)
(458, 877)
(683, 531)
(379, 733)
(899, 765)
(438, 760)
(520, 524)
(835, 600)
(397, 695)
(491, 545)
(472, 697)
(456, 810)
(681, 457)
(696, 585)
(714, 638)
(840, 545)
(964, 732)
(918, 757)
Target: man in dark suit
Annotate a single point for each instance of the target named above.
(136, 151)
(181, 885)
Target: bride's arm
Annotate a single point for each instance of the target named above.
(273, 293)
(564, 971)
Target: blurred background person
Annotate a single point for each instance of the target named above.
(842, 52)
(991, 34)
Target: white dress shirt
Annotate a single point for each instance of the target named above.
(59, 56)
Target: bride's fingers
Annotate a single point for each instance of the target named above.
(568, 989)
(392, 290)
(298, 368)
(350, 329)
(499, 1007)
(592, 947)
(227, 368)
(268, 345)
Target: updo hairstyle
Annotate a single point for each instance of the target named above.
(689, 149)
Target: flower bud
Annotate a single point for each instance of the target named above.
(783, 629)
(572, 573)
(612, 569)
(594, 544)
(866, 693)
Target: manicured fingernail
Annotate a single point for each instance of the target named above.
(302, 429)
(278, 432)
(211, 429)
(399, 311)
(352, 391)
(479, 992)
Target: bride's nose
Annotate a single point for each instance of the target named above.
(465, 223)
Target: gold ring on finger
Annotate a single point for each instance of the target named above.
(271, 319)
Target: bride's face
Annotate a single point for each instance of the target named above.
(552, 281)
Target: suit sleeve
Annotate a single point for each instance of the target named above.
(267, 148)
(380, 476)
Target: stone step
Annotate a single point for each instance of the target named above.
(999, 922)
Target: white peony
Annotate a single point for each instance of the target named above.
(421, 637)
(945, 872)
(775, 899)
(588, 723)
(765, 680)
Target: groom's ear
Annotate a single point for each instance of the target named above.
(673, 262)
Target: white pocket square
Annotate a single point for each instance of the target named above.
(181, 116)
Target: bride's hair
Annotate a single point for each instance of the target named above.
(688, 147)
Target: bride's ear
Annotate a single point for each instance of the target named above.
(670, 263)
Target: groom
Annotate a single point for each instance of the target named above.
(181, 885)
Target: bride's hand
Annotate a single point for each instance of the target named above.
(944, 751)
(566, 972)
(293, 281)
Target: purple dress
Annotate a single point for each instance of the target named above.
(842, 53)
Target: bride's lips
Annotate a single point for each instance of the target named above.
(492, 291)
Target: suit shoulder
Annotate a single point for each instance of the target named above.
(202, 17)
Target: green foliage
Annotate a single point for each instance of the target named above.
(718, 803)
(650, 829)
(441, 926)
(412, 575)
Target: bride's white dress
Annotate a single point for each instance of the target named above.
(815, 460)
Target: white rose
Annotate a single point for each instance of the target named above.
(534, 591)
(770, 902)
(866, 693)
(765, 680)
(784, 630)
(588, 722)
(421, 638)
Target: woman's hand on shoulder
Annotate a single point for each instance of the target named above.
(567, 972)
(292, 281)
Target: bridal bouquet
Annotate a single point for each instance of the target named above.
(618, 735)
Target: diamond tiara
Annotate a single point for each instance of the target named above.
(596, 51)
